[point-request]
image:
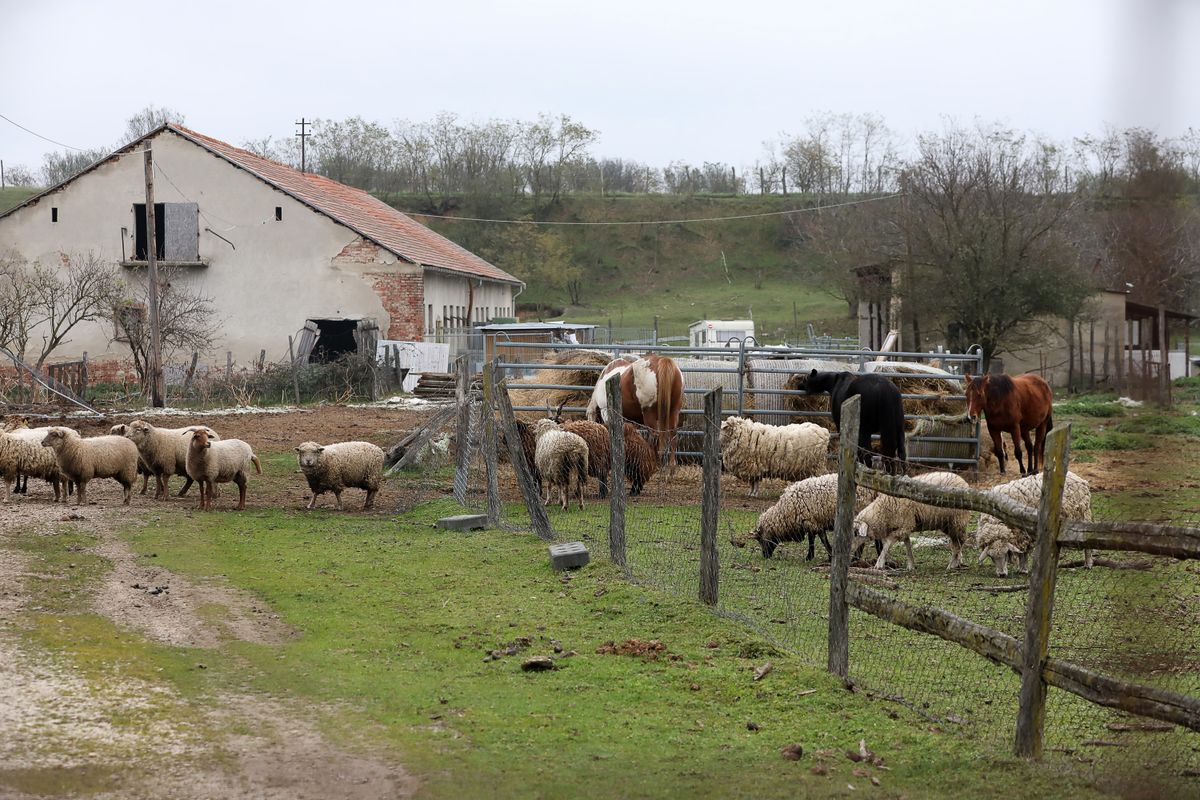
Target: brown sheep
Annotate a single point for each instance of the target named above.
(641, 460)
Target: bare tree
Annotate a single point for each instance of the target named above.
(187, 321)
(18, 312)
(147, 120)
(81, 290)
(18, 175)
(59, 166)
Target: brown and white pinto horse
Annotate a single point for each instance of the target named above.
(651, 394)
(1016, 405)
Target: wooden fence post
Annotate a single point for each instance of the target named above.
(295, 379)
(616, 474)
(490, 457)
(1042, 575)
(228, 366)
(839, 567)
(400, 375)
(709, 565)
(462, 444)
(516, 456)
(83, 377)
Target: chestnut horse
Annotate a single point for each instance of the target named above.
(1016, 405)
(651, 394)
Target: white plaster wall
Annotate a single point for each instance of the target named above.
(273, 277)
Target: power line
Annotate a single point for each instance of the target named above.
(661, 221)
(35, 133)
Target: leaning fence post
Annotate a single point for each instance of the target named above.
(616, 474)
(516, 456)
(839, 567)
(709, 565)
(462, 449)
(295, 380)
(1042, 575)
(490, 459)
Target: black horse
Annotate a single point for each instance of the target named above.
(881, 411)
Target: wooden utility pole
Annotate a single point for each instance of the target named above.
(302, 135)
(156, 375)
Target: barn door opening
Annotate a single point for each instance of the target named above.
(325, 340)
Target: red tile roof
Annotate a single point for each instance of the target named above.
(357, 210)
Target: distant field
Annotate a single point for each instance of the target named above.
(14, 195)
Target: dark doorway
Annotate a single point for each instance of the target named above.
(335, 338)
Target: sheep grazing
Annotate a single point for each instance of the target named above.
(599, 452)
(211, 462)
(336, 467)
(893, 519)
(806, 509)
(164, 452)
(753, 451)
(82, 460)
(641, 460)
(562, 460)
(997, 540)
(22, 458)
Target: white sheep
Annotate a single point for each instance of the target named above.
(805, 509)
(997, 540)
(893, 519)
(562, 461)
(163, 452)
(20, 457)
(335, 467)
(43, 465)
(753, 451)
(211, 462)
(82, 460)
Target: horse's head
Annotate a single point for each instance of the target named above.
(976, 391)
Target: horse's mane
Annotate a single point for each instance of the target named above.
(999, 386)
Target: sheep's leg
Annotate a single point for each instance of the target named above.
(240, 480)
(203, 492)
(1088, 557)
(1022, 559)
(825, 542)
(145, 481)
(81, 492)
(881, 562)
(128, 487)
(166, 485)
(8, 484)
(187, 484)
(367, 506)
(312, 502)
(812, 540)
(908, 547)
(337, 496)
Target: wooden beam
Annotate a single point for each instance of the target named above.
(1007, 510)
(491, 458)
(1043, 573)
(709, 564)
(516, 456)
(839, 612)
(616, 472)
(1137, 537)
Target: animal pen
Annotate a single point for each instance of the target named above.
(1093, 670)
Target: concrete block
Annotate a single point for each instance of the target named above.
(569, 555)
(463, 522)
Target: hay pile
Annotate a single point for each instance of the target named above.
(691, 426)
(941, 425)
(584, 378)
(780, 380)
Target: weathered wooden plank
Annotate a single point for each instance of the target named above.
(709, 564)
(1138, 537)
(1007, 510)
(1040, 609)
(516, 456)
(462, 443)
(839, 613)
(491, 458)
(1148, 701)
(991, 644)
(616, 473)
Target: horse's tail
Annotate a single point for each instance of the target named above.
(666, 385)
(1049, 421)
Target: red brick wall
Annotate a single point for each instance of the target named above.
(362, 251)
(403, 296)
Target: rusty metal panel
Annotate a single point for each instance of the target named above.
(183, 232)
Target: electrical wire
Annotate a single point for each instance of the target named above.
(35, 133)
(662, 221)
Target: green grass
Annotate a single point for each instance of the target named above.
(1085, 439)
(1090, 406)
(395, 621)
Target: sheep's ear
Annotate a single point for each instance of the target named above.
(321, 449)
(297, 449)
(187, 433)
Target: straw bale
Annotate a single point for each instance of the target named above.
(585, 379)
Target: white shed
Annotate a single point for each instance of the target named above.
(719, 332)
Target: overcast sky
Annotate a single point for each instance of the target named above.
(697, 80)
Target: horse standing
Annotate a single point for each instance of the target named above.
(881, 411)
(1016, 404)
(651, 394)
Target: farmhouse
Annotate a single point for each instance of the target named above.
(278, 250)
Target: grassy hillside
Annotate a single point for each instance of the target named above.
(14, 195)
(679, 272)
